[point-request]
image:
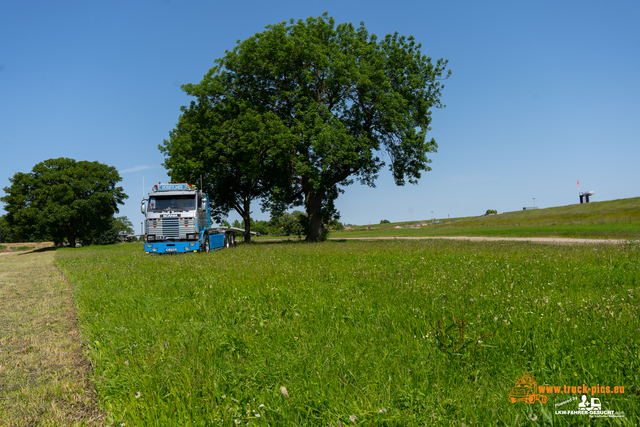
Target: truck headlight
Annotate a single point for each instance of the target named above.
(151, 238)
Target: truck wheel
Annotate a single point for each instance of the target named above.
(226, 241)
(207, 248)
(233, 240)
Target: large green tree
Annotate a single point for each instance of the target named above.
(61, 199)
(345, 97)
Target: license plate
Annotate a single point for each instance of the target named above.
(172, 250)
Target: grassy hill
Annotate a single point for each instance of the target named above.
(610, 211)
(610, 219)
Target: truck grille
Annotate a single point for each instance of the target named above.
(171, 228)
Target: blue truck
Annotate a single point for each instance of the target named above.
(177, 220)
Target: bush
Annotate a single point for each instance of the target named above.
(385, 221)
(336, 225)
(109, 237)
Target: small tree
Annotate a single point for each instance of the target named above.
(336, 225)
(491, 211)
(385, 221)
(287, 224)
(63, 199)
(108, 237)
(238, 151)
(112, 235)
(122, 223)
(260, 227)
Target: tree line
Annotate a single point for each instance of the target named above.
(288, 118)
(287, 224)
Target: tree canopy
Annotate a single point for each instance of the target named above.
(61, 199)
(338, 101)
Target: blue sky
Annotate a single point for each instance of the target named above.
(542, 93)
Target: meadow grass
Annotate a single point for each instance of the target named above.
(383, 333)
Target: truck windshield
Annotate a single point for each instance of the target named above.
(157, 203)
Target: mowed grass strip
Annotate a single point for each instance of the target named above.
(380, 333)
(44, 378)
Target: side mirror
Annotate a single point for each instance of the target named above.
(142, 207)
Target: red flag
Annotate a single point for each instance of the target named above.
(578, 183)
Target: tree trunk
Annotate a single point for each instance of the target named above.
(313, 203)
(246, 217)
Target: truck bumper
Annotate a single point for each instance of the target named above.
(171, 247)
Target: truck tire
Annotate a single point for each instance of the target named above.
(227, 244)
(207, 247)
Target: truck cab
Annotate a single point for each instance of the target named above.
(177, 220)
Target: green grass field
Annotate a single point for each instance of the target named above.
(384, 333)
